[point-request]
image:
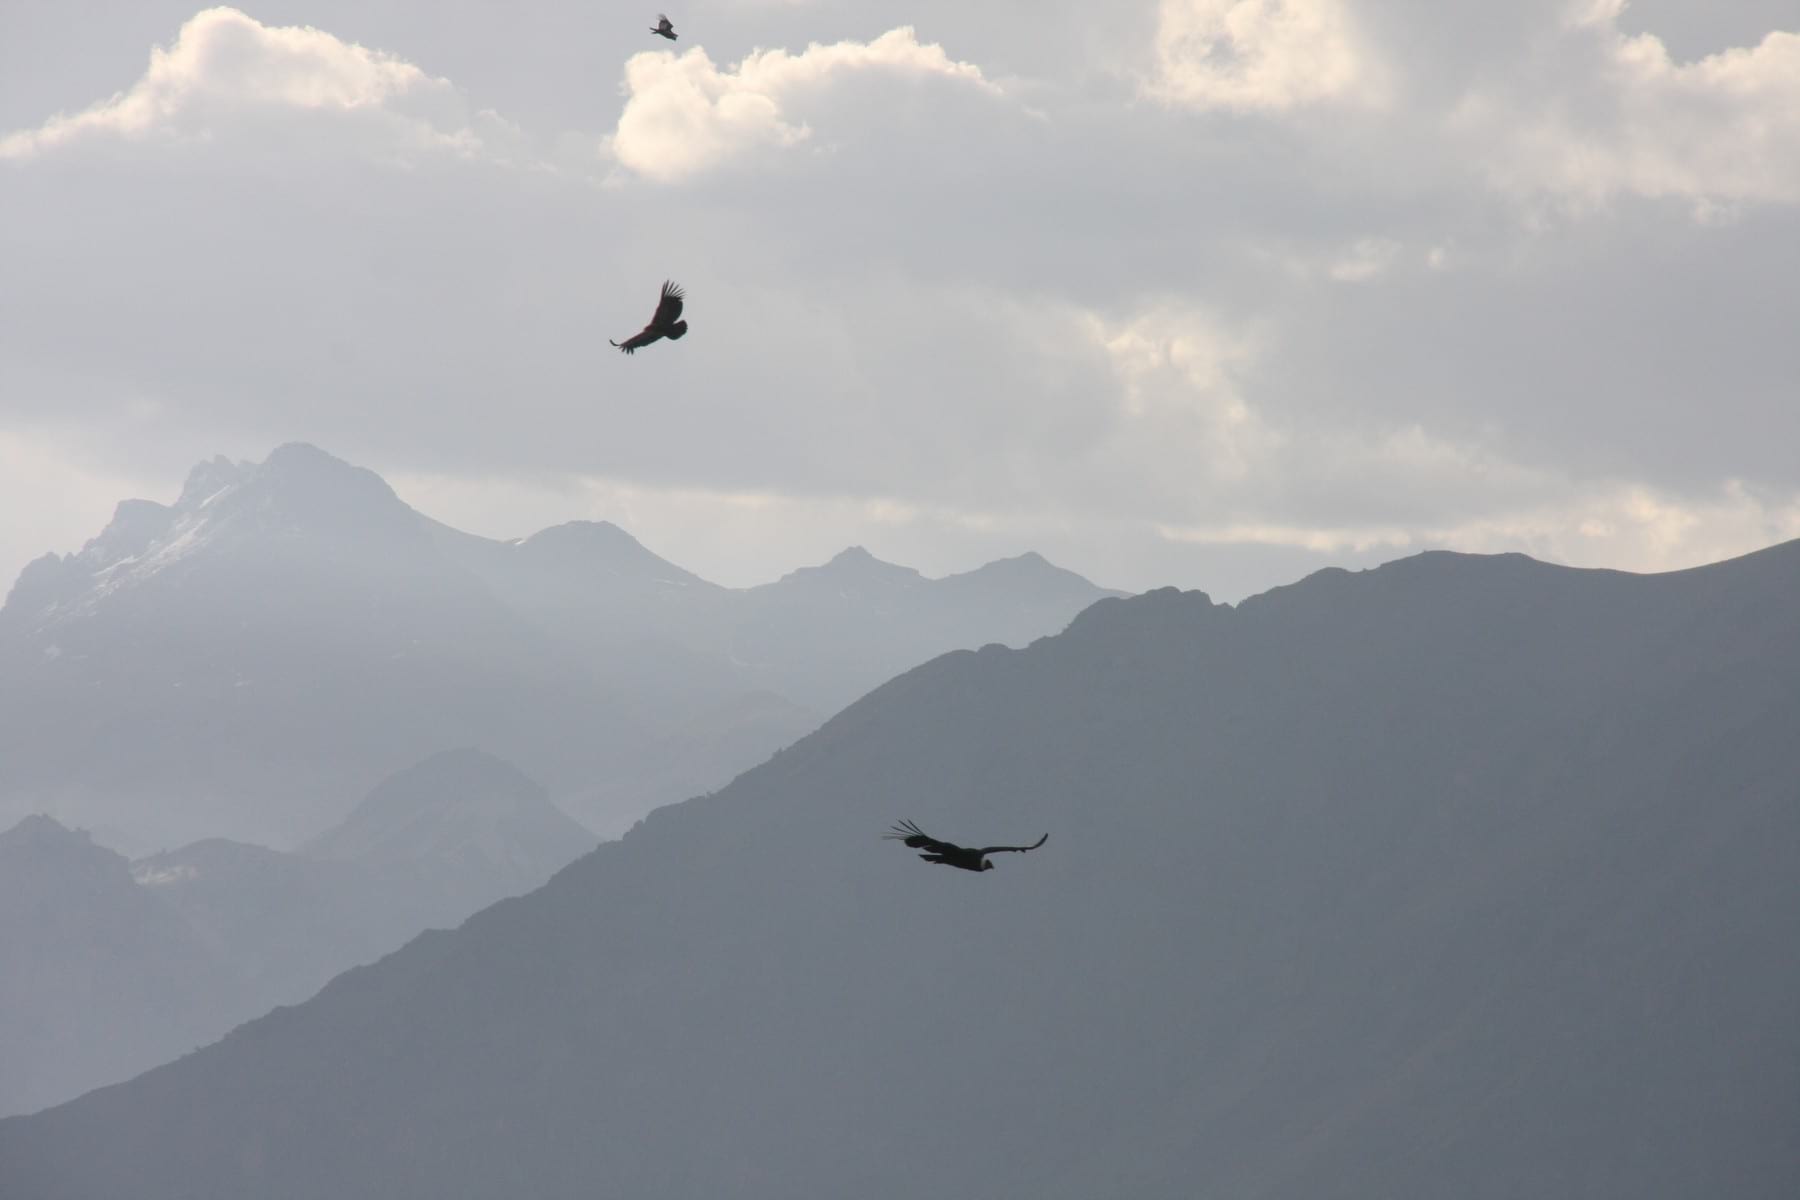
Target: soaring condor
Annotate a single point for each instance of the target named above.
(950, 854)
(665, 324)
(664, 28)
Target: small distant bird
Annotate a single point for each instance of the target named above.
(664, 28)
(663, 325)
(950, 854)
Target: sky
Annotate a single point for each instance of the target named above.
(1210, 293)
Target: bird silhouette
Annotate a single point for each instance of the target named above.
(665, 324)
(664, 28)
(949, 853)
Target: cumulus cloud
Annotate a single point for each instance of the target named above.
(1252, 55)
(1626, 118)
(684, 114)
(224, 69)
(1181, 378)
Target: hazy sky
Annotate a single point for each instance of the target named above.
(1205, 292)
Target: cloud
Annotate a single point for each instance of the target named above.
(1262, 55)
(922, 317)
(1625, 526)
(1367, 258)
(1181, 379)
(1625, 118)
(683, 114)
(1542, 99)
(225, 70)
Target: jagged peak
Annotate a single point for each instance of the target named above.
(208, 478)
(134, 526)
(38, 587)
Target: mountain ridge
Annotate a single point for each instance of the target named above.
(292, 631)
(1493, 915)
(228, 928)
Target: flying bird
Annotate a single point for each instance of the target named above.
(950, 854)
(665, 324)
(664, 28)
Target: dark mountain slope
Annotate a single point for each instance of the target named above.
(98, 980)
(1466, 876)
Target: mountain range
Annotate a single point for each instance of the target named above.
(1464, 876)
(288, 633)
(111, 967)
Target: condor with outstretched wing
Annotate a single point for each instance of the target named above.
(949, 853)
(664, 28)
(665, 324)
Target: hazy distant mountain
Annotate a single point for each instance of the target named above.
(283, 924)
(459, 830)
(104, 977)
(1462, 877)
(430, 845)
(288, 633)
(819, 632)
(97, 980)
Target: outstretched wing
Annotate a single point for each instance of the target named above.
(1019, 849)
(668, 308)
(918, 839)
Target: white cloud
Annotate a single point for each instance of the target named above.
(1627, 118)
(1181, 379)
(225, 68)
(1249, 55)
(683, 114)
(1626, 526)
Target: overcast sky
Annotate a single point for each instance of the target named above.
(1203, 292)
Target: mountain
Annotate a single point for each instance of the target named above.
(282, 924)
(287, 634)
(819, 633)
(114, 967)
(97, 980)
(1465, 876)
(284, 635)
(426, 848)
(459, 830)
